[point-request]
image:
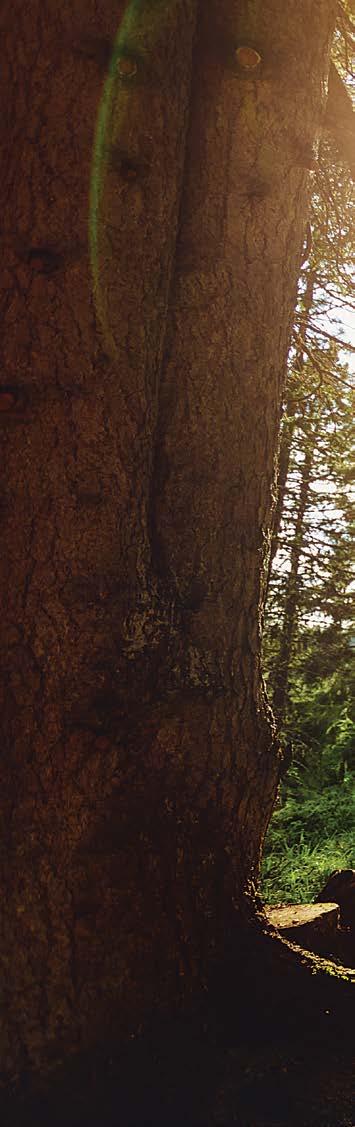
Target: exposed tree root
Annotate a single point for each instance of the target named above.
(274, 984)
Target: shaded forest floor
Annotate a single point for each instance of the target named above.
(194, 1073)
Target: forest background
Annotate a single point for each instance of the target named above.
(309, 641)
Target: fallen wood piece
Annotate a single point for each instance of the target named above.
(313, 926)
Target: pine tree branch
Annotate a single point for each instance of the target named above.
(344, 344)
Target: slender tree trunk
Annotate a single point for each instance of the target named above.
(140, 400)
(282, 669)
(288, 427)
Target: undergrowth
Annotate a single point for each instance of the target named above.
(309, 837)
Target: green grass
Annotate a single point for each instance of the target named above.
(308, 838)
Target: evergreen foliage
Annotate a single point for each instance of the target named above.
(309, 638)
(307, 840)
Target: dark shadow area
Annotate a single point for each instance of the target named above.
(276, 1065)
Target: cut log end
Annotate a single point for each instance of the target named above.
(288, 917)
(313, 926)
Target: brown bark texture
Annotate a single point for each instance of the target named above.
(153, 201)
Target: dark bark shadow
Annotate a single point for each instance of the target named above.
(243, 1056)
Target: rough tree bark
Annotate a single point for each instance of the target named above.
(140, 402)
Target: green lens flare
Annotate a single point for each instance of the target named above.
(106, 133)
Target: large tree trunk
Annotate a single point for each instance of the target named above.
(141, 391)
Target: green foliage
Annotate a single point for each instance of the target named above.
(309, 634)
(308, 838)
(322, 719)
